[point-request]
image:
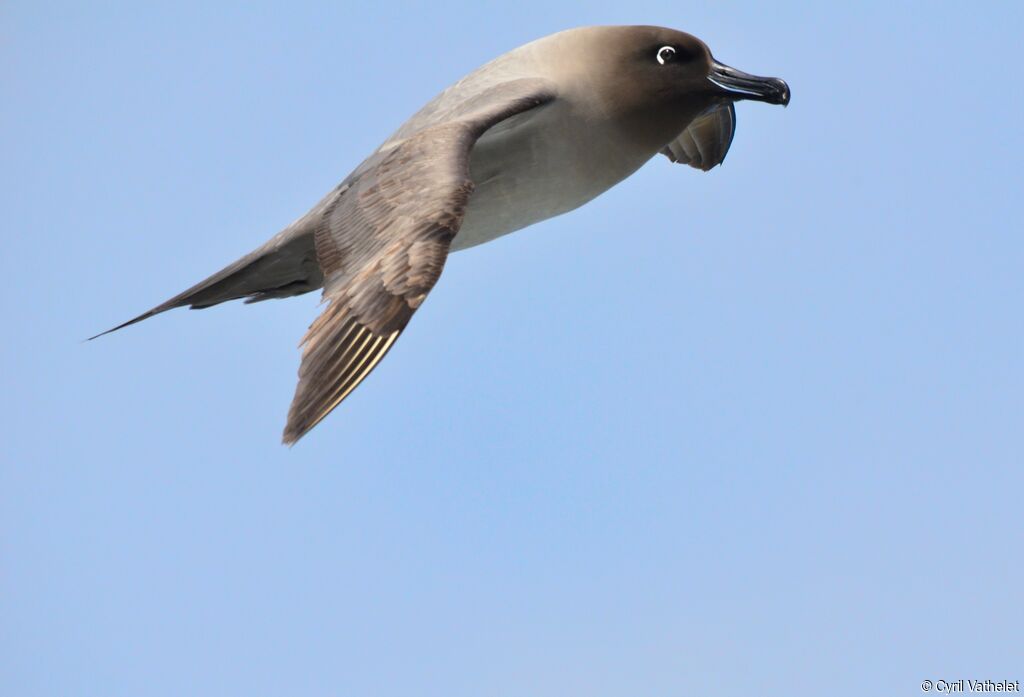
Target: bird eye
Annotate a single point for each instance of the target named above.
(666, 54)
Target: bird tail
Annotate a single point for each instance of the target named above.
(284, 266)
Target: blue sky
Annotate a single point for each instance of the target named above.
(755, 431)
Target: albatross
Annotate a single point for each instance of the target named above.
(533, 134)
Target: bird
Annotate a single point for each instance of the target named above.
(533, 134)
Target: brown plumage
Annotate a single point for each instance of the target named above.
(535, 133)
(382, 241)
(704, 143)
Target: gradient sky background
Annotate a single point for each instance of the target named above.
(756, 431)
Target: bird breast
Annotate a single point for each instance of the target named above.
(538, 165)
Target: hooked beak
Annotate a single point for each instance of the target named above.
(737, 85)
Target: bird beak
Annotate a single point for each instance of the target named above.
(737, 85)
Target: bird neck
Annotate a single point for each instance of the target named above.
(654, 128)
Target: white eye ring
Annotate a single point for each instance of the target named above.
(662, 57)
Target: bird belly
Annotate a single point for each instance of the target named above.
(533, 170)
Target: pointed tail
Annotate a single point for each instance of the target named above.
(284, 266)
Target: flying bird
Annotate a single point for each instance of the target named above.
(533, 134)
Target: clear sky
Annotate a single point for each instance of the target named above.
(751, 432)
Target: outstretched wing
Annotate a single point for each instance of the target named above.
(382, 241)
(706, 140)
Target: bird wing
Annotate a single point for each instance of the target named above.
(705, 142)
(382, 241)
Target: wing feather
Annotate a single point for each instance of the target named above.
(382, 243)
(705, 142)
